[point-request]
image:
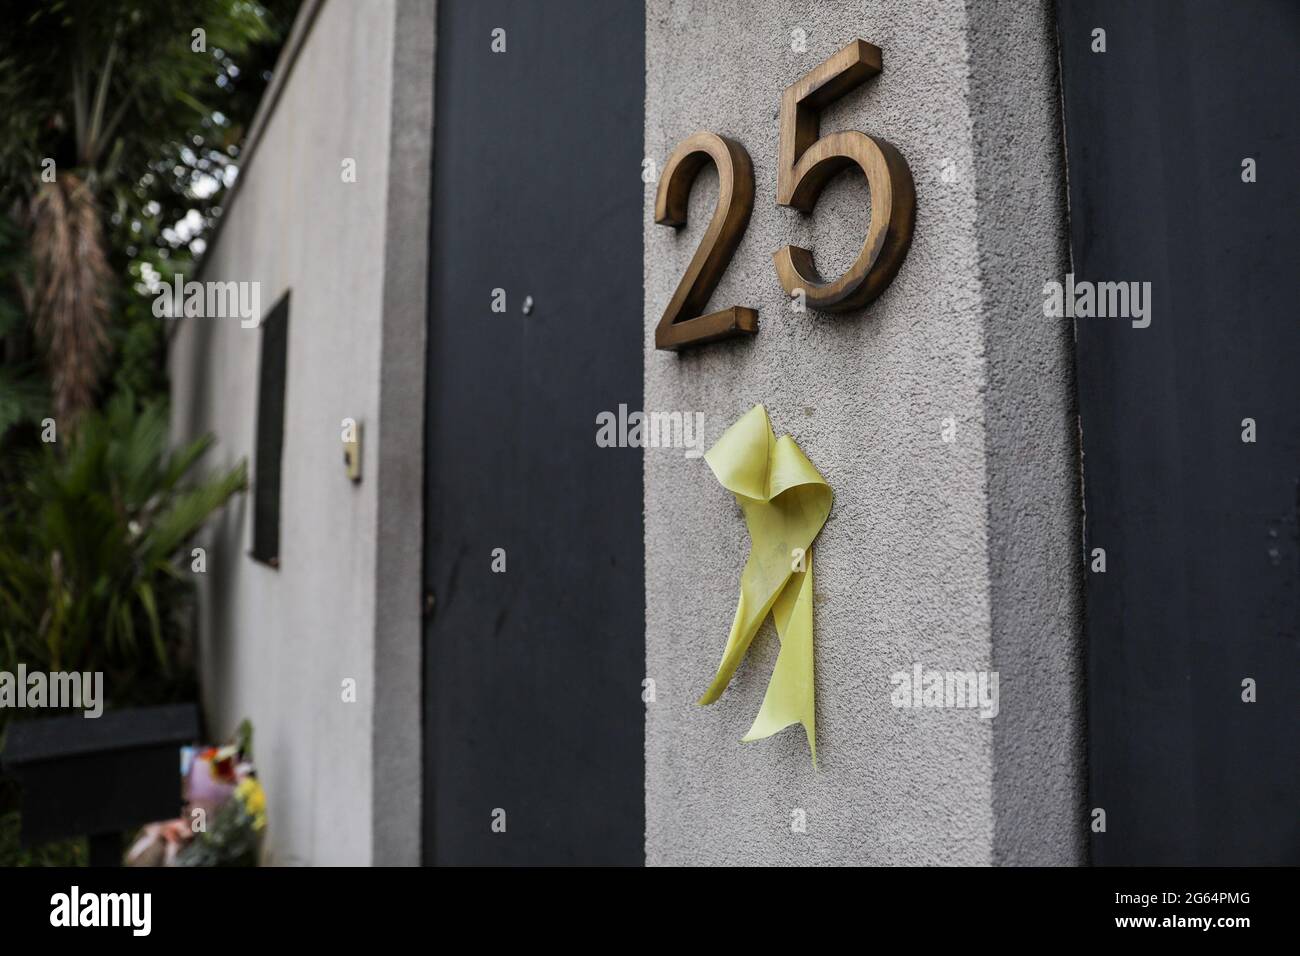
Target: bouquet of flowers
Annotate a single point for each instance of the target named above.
(225, 811)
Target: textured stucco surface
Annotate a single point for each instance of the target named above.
(1031, 438)
(919, 560)
(399, 457)
(342, 778)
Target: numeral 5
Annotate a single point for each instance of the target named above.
(807, 164)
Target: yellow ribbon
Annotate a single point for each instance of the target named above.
(785, 501)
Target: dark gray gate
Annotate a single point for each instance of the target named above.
(1201, 530)
(532, 676)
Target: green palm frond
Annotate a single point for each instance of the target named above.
(90, 541)
(187, 512)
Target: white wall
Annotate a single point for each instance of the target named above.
(959, 556)
(276, 645)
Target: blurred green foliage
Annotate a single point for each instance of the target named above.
(93, 529)
(89, 544)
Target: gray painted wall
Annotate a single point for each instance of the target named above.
(958, 556)
(342, 778)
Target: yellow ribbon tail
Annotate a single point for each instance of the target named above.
(790, 697)
(744, 627)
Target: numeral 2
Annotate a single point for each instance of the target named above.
(807, 164)
(682, 325)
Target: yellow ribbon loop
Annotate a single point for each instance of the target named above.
(785, 502)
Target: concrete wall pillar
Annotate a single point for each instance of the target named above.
(959, 555)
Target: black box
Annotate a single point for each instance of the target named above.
(101, 775)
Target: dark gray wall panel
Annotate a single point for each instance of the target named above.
(532, 677)
(1200, 529)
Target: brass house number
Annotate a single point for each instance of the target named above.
(806, 164)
